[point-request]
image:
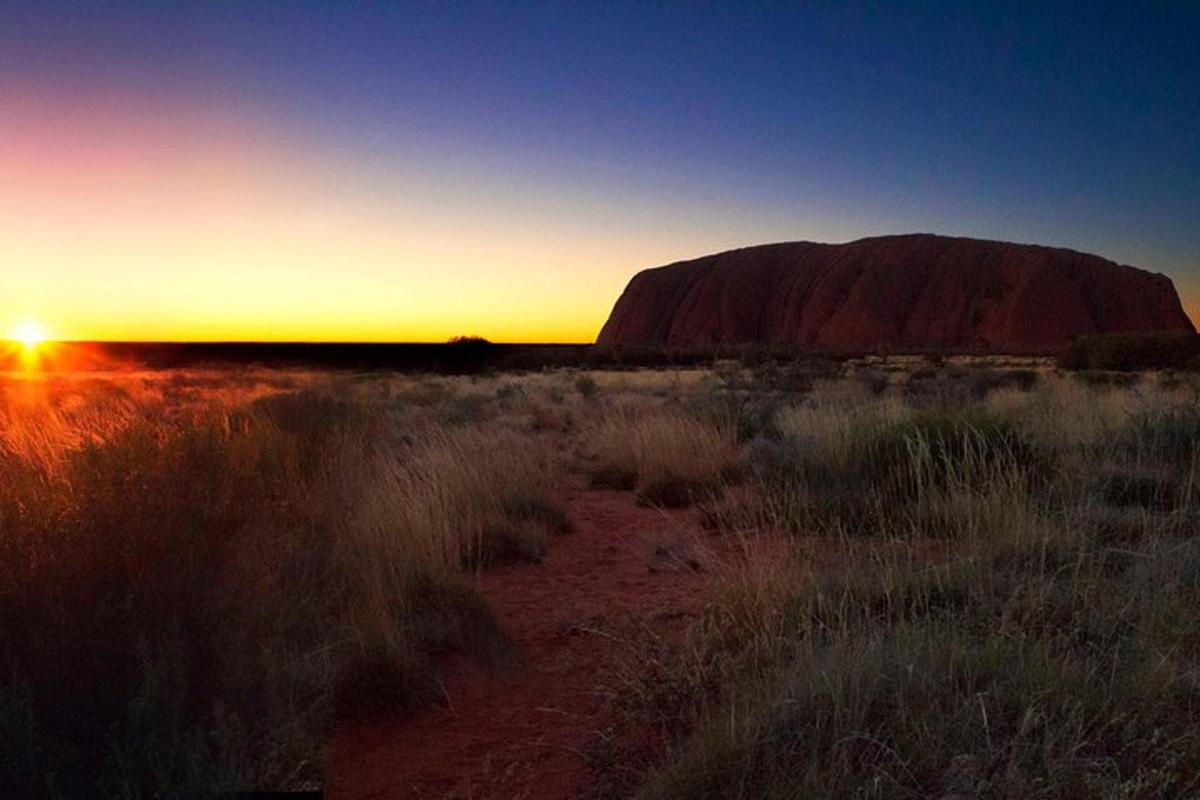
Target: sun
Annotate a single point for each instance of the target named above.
(29, 333)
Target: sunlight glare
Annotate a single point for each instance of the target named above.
(29, 333)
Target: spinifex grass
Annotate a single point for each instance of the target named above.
(969, 626)
(191, 586)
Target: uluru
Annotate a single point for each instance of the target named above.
(918, 291)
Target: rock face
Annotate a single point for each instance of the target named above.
(893, 292)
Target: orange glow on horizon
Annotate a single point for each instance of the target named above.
(143, 218)
(29, 333)
(124, 220)
(28, 338)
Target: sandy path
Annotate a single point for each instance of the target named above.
(525, 731)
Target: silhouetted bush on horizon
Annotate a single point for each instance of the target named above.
(461, 355)
(1127, 352)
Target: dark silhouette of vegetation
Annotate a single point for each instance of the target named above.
(188, 597)
(1129, 352)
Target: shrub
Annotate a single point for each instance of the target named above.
(875, 381)
(586, 386)
(1128, 352)
(922, 374)
(746, 407)
(466, 355)
(1024, 379)
(458, 410)
(795, 377)
(1098, 378)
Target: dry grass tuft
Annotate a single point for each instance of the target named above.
(667, 459)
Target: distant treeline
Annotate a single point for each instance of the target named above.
(1132, 352)
(463, 355)
(471, 355)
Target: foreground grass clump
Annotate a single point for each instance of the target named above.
(187, 597)
(1015, 648)
(986, 677)
(468, 497)
(667, 459)
(881, 468)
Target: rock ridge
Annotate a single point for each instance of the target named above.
(918, 291)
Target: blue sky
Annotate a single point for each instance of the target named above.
(654, 131)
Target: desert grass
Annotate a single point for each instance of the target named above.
(194, 580)
(939, 578)
(666, 459)
(862, 464)
(994, 603)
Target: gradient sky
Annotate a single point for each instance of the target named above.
(394, 171)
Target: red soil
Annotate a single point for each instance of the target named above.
(525, 731)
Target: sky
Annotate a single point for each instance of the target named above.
(415, 171)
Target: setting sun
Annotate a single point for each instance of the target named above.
(29, 333)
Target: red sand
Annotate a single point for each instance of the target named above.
(525, 732)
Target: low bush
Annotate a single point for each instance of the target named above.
(747, 403)
(1101, 379)
(586, 386)
(875, 381)
(1128, 352)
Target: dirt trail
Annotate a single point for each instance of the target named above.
(524, 732)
